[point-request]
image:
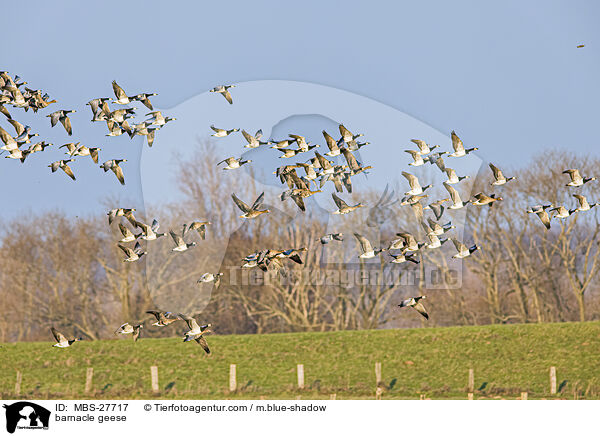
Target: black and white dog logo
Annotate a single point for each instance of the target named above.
(26, 415)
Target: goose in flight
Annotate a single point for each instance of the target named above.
(120, 94)
(158, 119)
(543, 216)
(435, 242)
(343, 207)
(417, 158)
(96, 104)
(74, 149)
(199, 226)
(436, 158)
(410, 242)
(224, 91)
(233, 163)
(281, 144)
(355, 167)
(415, 186)
(254, 141)
(209, 277)
(161, 318)
(459, 148)
(250, 212)
(132, 254)
(128, 235)
(576, 179)
(366, 249)
(180, 244)
(499, 178)
(334, 149)
(462, 249)
(63, 165)
(331, 237)
(424, 148)
(452, 177)
(436, 229)
(482, 199)
(62, 116)
(61, 340)
(221, 133)
(583, 203)
(196, 331)
(129, 329)
(403, 257)
(144, 98)
(539, 207)
(562, 212)
(301, 142)
(113, 165)
(126, 212)
(415, 303)
(10, 143)
(24, 134)
(457, 203)
(347, 136)
(437, 207)
(149, 232)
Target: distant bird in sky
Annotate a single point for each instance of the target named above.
(462, 249)
(209, 277)
(162, 319)
(129, 329)
(576, 179)
(62, 116)
(113, 165)
(233, 163)
(459, 149)
(499, 178)
(331, 237)
(366, 249)
(342, 206)
(221, 133)
(132, 254)
(415, 303)
(224, 91)
(61, 340)
(580, 46)
(122, 98)
(180, 244)
(250, 212)
(63, 165)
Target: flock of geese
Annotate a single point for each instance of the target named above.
(300, 181)
(17, 95)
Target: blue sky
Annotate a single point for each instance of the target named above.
(506, 76)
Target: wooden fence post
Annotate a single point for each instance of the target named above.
(88, 379)
(471, 385)
(154, 378)
(377, 373)
(553, 380)
(378, 392)
(18, 383)
(332, 396)
(470, 396)
(300, 376)
(523, 395)
(232, 378)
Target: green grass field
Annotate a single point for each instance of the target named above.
(433, 362)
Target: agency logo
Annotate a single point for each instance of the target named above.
(26, 415)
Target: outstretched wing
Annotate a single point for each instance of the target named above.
(202, 342)
(119, 93)
(338, 201)
(58, 335)
(258, 201)
(365, 245)
(421, 309)
(243, 206)
(457, 143)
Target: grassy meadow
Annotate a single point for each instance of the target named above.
(429, 362)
